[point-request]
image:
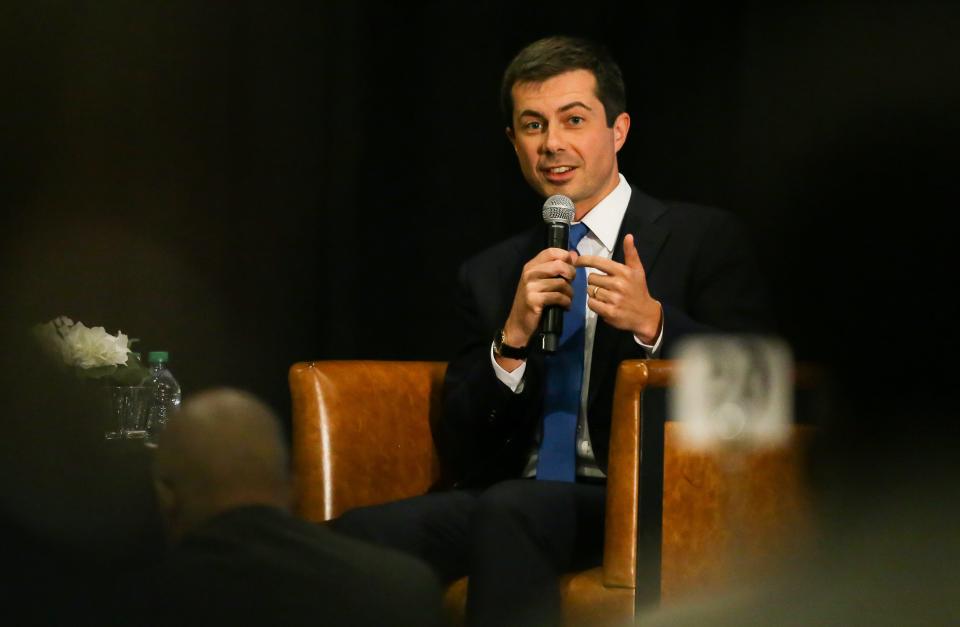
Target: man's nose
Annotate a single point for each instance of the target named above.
(553, 140)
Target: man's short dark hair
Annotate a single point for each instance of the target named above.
(551, 56)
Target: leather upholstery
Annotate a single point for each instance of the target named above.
(362, 436)
(623, 476)
(361, 433)
(586, 600)
(729, 514)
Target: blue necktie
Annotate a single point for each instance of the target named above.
(564, 376)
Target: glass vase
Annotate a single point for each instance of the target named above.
(127, 407)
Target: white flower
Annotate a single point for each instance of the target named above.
(62, 323)
(86, 348)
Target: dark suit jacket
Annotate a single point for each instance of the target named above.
(259, 565)
(698, 265)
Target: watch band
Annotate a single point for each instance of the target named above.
(505, 350)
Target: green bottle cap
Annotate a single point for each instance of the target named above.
(156, 357)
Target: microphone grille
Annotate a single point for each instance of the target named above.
(558, 208)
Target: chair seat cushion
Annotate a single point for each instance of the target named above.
(585, 600)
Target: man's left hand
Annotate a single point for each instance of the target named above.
(620, 295)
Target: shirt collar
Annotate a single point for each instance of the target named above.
(605, 218)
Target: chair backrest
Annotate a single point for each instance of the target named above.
(362, 432)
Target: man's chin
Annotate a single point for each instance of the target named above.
(548, 189)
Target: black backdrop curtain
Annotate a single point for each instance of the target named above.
(251, 184)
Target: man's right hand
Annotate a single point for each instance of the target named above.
(545, 281)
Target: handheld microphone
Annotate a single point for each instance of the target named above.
(558, 213)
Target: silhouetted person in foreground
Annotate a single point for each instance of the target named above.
(239, 557)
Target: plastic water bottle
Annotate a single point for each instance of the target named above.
(163, 395)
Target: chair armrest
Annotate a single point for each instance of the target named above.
(623, 471)
(362, 433)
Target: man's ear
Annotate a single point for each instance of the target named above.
(512, 137)
(621, 126)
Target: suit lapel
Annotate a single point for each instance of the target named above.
(506, 270)
(649, 237)
(527, 248)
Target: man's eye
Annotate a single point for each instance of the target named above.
(533, 126)
(576, 120)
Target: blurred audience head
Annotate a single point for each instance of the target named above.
(223, 449)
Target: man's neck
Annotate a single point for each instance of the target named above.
(583, 210)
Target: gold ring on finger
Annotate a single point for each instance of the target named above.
(596, 288)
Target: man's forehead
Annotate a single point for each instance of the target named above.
(557, 91)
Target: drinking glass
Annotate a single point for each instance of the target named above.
(128, 410)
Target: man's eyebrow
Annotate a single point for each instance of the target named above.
(566, 107)
(573, 105)
(531, 112)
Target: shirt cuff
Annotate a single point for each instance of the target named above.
(652, 349)
(513, 380)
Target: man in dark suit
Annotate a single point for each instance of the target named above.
(239, 557)
(641, 275)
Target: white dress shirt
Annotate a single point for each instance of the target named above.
(603, 222)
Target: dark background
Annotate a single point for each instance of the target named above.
(247, 185)
(251, 184)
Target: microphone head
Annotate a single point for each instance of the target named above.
(558, 208)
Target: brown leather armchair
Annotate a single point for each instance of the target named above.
(361, 436)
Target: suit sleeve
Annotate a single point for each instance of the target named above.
(726, 291)
(481, 416)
